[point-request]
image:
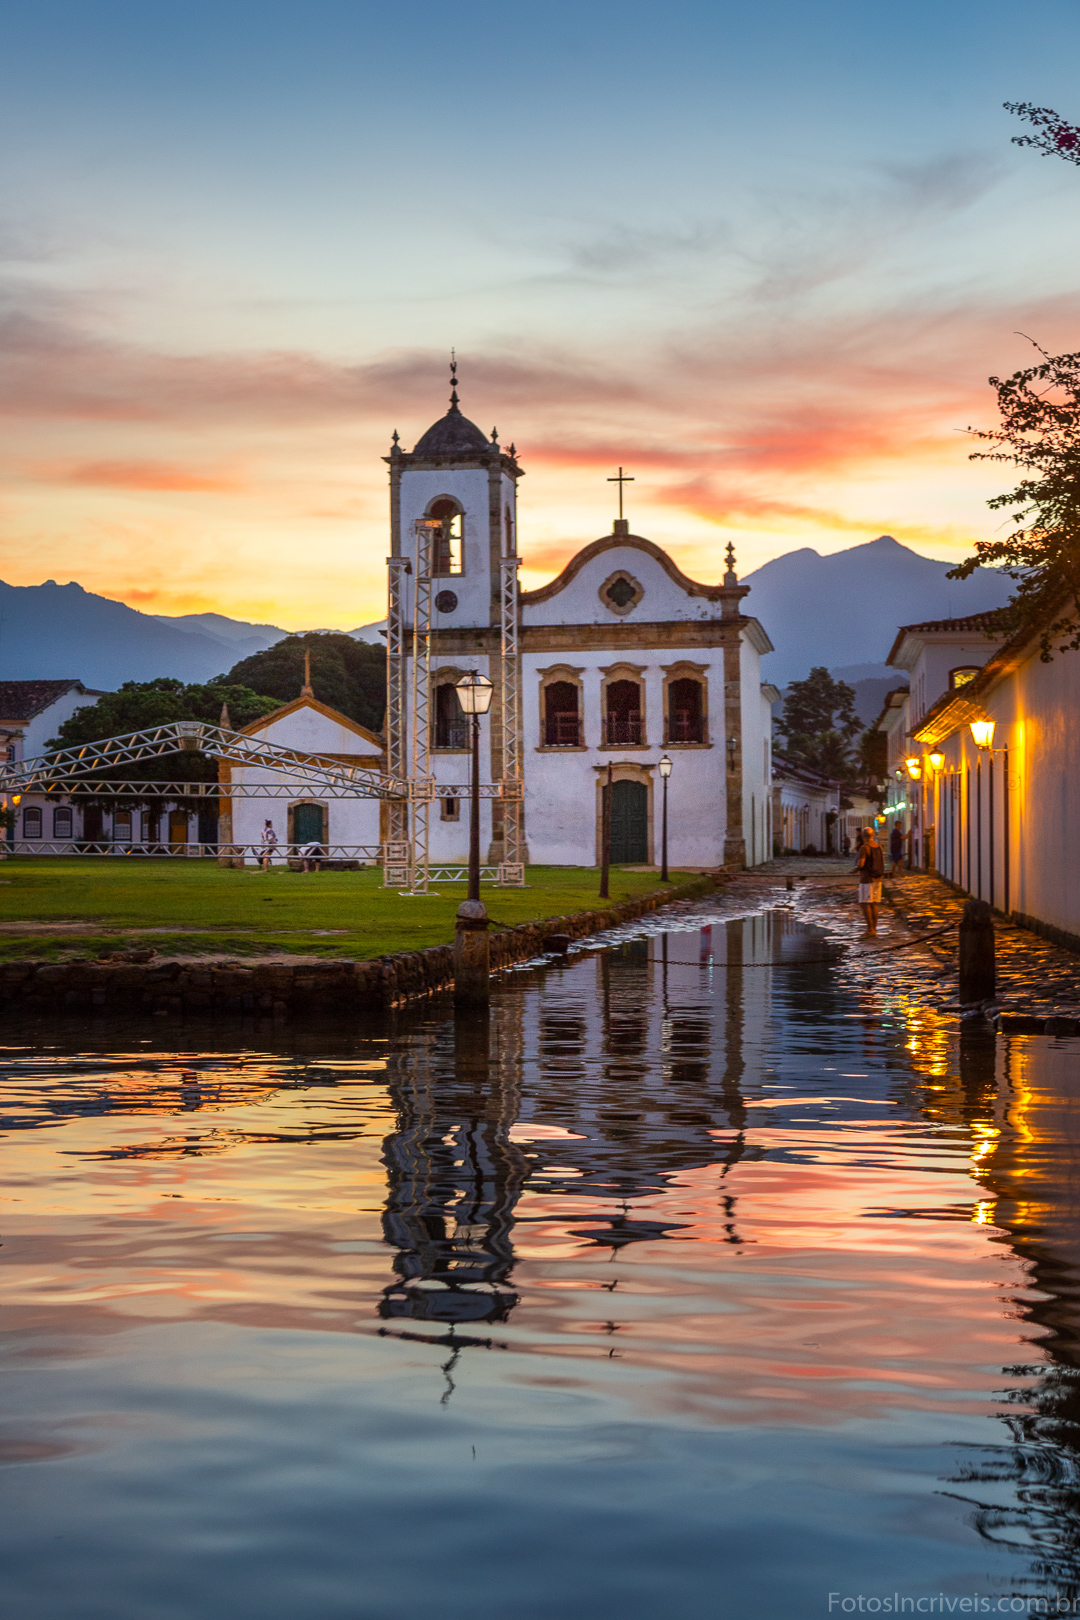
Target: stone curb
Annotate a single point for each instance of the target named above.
(279, 989)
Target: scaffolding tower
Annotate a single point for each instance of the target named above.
(512, 868)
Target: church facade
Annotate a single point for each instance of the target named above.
(618, 661)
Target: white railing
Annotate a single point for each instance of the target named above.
(372, 853)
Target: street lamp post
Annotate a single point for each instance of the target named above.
(472, 967)
(474, 694)
(665, 772)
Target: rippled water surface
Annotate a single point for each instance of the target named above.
(700, 1284)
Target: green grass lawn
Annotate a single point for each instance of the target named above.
(195, 906)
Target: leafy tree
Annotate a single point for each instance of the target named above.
(139, 705)
(1040, 434)
(1055, 137)
(346, 675)
(818, 725)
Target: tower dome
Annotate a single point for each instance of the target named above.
(453, 435)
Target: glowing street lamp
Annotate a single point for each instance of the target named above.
(937, 760)
(983, 733)
(475, 692)
(914, 767)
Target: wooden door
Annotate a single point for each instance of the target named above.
(308, 824)
(178, 829)
(629, 823)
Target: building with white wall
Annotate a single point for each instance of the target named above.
(622, 658)
(807, 809)
(941, 656)
(1006, 818)
(31, 713)
(347, 828)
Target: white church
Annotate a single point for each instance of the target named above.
(622, 659)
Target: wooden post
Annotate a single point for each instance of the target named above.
(472, 965)
(977, 968)
(605, 835)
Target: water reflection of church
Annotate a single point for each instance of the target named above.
(606, 1081)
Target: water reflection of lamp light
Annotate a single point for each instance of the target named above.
(983, 733)
(914, 767)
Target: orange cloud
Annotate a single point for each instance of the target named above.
(149, 475)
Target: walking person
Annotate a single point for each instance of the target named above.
(871, 869)
(896, 849)
(269, 845)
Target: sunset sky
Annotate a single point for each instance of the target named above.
(765, 257)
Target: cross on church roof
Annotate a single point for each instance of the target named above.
(623, 478)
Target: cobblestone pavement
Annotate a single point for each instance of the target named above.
(1034, 977)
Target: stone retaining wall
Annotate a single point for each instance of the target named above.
(129, 985)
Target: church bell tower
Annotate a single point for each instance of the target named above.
(469, 484)
(453, 600)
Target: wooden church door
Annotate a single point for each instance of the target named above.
(629, 823)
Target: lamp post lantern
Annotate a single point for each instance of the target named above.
(474, 694)
(665, 772)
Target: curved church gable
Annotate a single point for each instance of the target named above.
(621, 577)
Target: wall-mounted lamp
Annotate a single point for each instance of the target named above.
(983, 733)
(914, 767)
(899, 775)
(732, 746)
(937, 760)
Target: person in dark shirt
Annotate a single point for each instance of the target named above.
(896, 848)
(871, 869)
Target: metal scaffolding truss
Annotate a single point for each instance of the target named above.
(67, 770)
(512, 870)
(425, 530)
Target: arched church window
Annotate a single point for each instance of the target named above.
(451, 727)
(622, 722)
(562, 725)
(448, 557)
(686, 719)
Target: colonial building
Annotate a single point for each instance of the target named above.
(620, 659)
(346, 827)
(31, 713)
(1005, 816)
(940, 656)
(806, 810)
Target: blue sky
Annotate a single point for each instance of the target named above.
(764, 257)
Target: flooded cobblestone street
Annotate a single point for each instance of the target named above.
(726, 1272)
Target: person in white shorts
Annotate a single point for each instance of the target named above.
(871, 869)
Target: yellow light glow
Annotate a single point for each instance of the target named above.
(983, 733)
(914, 767)
(937, 760)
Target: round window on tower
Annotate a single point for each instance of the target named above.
(446, 601)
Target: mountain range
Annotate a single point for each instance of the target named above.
(844, 609)
(840, 610)
(53, 631)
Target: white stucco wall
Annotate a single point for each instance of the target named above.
(350, 822)
(468, 486)
(1034, 710)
